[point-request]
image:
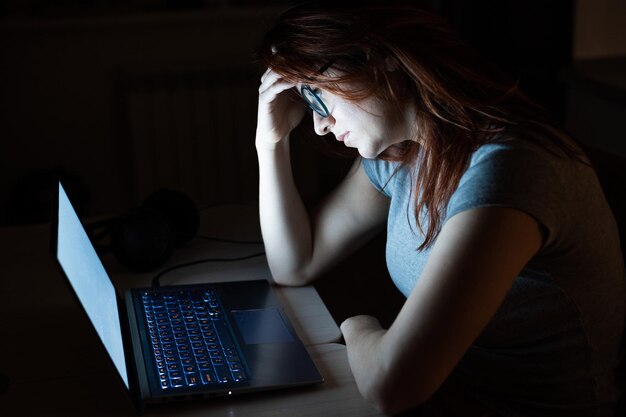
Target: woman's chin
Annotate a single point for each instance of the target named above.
(368, 153)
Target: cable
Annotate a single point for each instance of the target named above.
(252, 204)
(219, 239)
(155, 280)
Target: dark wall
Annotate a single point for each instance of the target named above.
(59, 101)
(530, 39)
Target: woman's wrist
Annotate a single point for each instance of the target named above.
(265, 142)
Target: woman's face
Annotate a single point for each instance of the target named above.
(364, 125)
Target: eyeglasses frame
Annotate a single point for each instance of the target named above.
(305, 92)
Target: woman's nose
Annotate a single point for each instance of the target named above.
(322, 125)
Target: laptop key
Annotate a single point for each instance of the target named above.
(175, 366)
(238, 375)
(223, 334)
(223, 374)
(202, 358)
(206, 376)
(201, 351)
(215, 313)
(177, 382)
(232, 358)
(192, 379)
(189, 369)
(175, 374)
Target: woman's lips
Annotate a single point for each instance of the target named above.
(343, 136)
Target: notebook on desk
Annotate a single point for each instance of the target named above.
(185, 341)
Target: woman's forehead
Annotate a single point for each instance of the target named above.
(330, 77)
(317, 74)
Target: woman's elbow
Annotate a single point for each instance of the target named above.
(391, 400)
(290, 279)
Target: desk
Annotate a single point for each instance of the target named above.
(303, 305)
(97, 395)
(55, 370)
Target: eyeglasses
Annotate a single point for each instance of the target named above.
(314, 101)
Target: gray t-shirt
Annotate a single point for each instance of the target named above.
(553, 346)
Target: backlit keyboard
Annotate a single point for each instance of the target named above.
(191, 343)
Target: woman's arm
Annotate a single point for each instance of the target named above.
(476, 258)
(300, 246)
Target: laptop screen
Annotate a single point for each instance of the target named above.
(90, 281)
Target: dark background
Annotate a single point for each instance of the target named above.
(91, 90)
(71, 68)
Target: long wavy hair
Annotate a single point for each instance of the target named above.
(462, 100)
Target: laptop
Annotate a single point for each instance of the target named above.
(184, 341)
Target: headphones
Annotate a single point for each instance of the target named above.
(145, 237)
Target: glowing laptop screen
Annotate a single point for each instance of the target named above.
(90, 281)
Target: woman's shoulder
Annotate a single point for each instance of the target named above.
(545, 152)
(548, 142)
(536, 175)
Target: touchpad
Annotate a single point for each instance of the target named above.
(262, 326)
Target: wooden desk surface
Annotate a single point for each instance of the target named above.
(57, 368)
(37, 301)
(97, 394)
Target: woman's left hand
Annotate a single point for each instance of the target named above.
(363, 336)
(354, 326)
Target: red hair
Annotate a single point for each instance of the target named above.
(462, 101)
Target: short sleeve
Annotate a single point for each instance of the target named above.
(520, 176)
(380, 173)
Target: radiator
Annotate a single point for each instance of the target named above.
(191, 130)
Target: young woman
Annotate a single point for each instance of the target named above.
(498, 232)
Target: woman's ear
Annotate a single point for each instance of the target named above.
(391, 64)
